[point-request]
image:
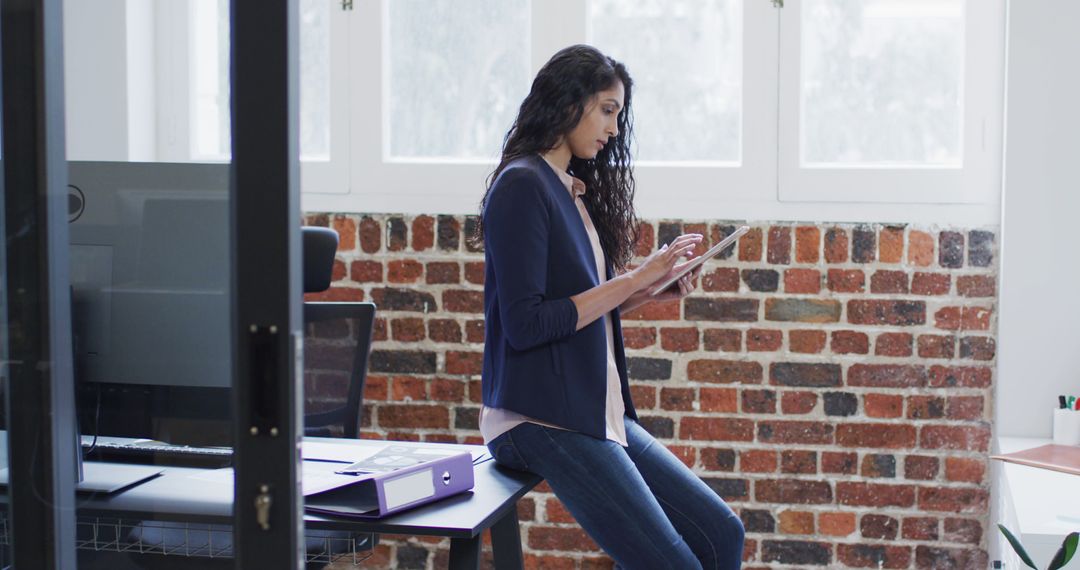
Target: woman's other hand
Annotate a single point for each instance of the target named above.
(682, 287)
(662, 262)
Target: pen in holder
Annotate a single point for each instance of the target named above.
(1066, 427)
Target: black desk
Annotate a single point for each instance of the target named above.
(183, 494)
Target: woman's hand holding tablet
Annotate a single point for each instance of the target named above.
(696, 262)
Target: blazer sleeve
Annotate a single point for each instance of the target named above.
(517, 224)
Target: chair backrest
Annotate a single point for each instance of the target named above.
(337, 342)
(318, 246)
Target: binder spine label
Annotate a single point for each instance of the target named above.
(410, 488)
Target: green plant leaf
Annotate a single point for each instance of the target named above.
(1065, 553)
(1017, 546)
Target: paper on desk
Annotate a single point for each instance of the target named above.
(343, 453)
(221, 476)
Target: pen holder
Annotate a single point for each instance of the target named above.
(1066, 427)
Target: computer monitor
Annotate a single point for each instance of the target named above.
(150, 282)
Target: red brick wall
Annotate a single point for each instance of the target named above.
(831, 381)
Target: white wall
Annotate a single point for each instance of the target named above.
(1039, 317)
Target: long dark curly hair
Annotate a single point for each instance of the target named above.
(560, 93)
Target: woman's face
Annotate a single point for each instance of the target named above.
(599, 122)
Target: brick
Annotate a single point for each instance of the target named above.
(960, 376)
(724, 279)
(714, 459)
(646, 240)
(423, 233)
(786, 432)
(568, 539)
(750, 245)
(335, 294)
(757, 521)
(846, 280)
(947, 318)
(963, 530)
(403, 271)
(471, 243)
(976, 286)
(887, 375)
(919, 528)
(729, 489)
(967, 438)
(413, 416)
(921, 467)
(965, 408)
(449, 233)
(805, 374)
(802, 281)
(863, 245)
(345, 227)
(474, 272)
(681, 339)
(447, 390)
(665, 311)
(668, 232)
(761, 280)
(718, 233)
(893, 344)
(796, 552)
(886, 312)
(370, 235)
(949, 558)
(926, 407)
(975, 319)
(965, 470)
(474, 331)
(726, 340)
(677, 399)
(807, 244)
(408, 388)
(874, 495)
(459, 362)
(954, 500)
(980, 248)
(836, 246)
(640, 368)
(659, 427)
(836, 524)
(366, 271)
(759, 402)
(838, 462)
(880, 436)
(889, 282)
(798, 461)
(879, 527)
(716, 429)
(338, 272)
(874, 555)
(757, 461)
(439, 272)
(723, 310)
(806, 341)
(764, 340)
(936, 346)
(380, 328)
(397, 234)
(644, 397)
(779, 252)
(402, 361)
(410, 556)
(404, 300)
(920, 249)
(792, 491)
(796, 522)
(978, 347)
(798, 402)
(850, 342)
(883, 406)
(931, 283)
(724, 371)
(951, 254)
(879, 465)
(802, 310)
(891, 245)
(444, 330)
(461, 301)
(841, 404)
(639, 337)
(407, 330)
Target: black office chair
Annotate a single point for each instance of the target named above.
(337, 341)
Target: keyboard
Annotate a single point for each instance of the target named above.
(157, 453)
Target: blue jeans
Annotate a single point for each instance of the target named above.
(642, 505)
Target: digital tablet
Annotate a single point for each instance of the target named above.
(697, 261)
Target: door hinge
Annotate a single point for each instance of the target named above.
(346, 5)
(778, 3)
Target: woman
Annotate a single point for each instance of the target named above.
(558, 227)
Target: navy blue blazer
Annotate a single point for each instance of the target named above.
(537, 256)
